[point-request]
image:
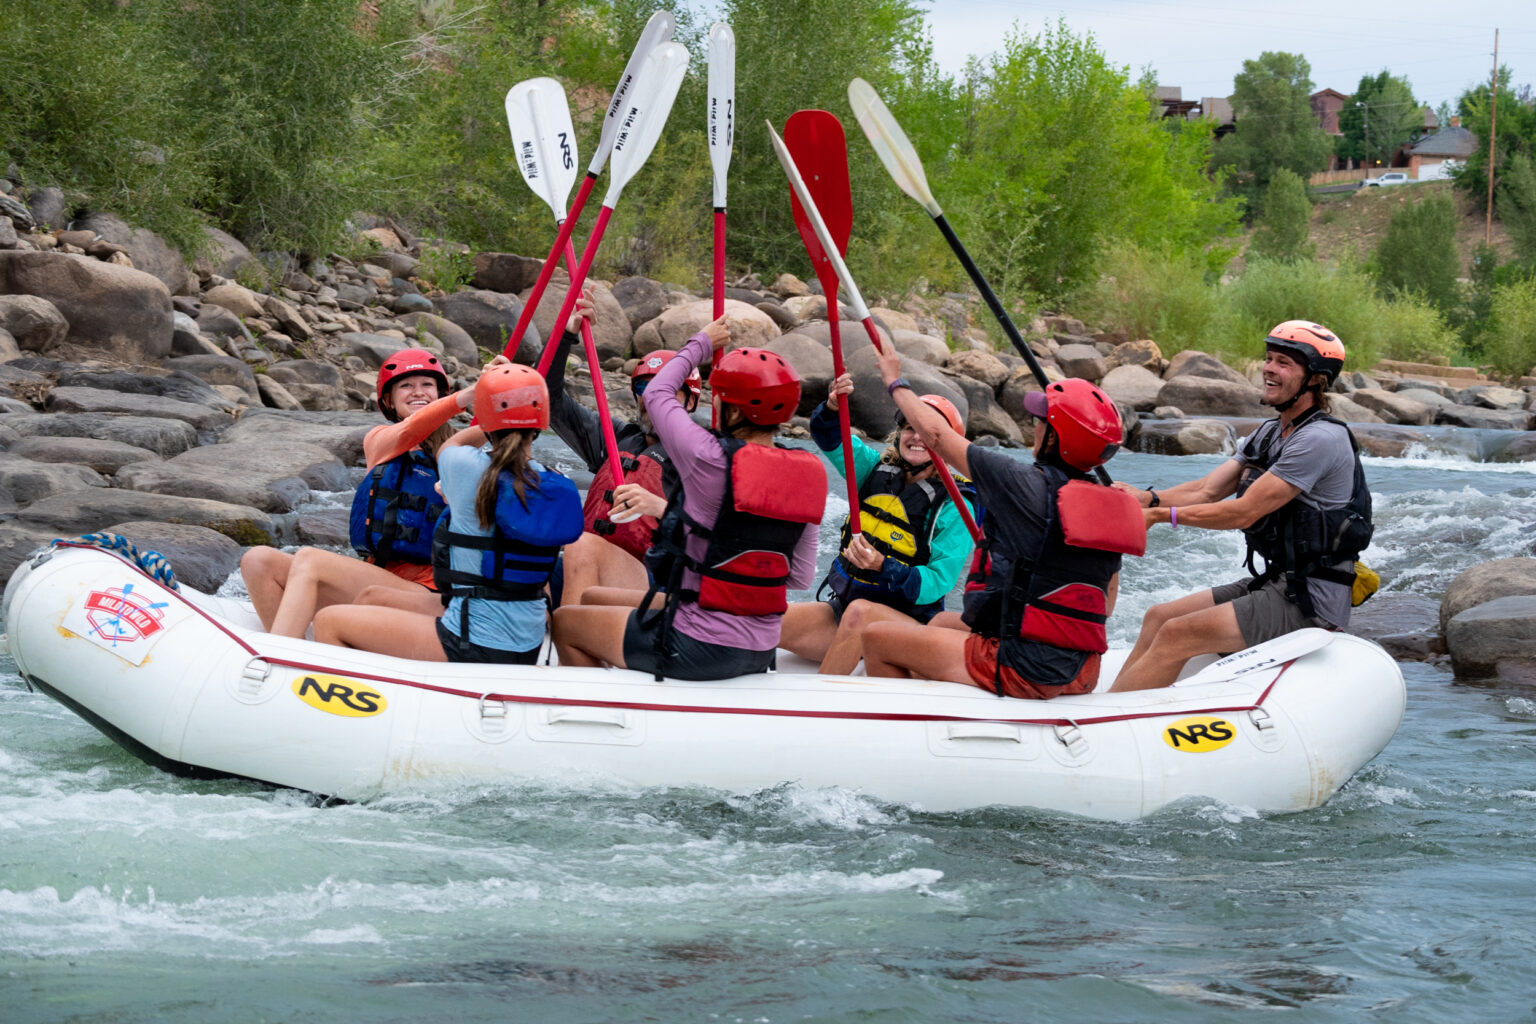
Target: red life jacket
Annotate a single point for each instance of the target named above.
(1057, 599)
(645, 469)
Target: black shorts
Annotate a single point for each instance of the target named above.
(467, 652)
(690, 658)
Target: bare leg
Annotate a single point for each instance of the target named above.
(949, 620)
(910, 651)
(847, 645)
(265, 571)
(616, 597)
(591, 561)
(417, 599)
(807, 630)
(1159, 614)
(1178, 640)
(318, 579)
(590, 636)
(399, 634)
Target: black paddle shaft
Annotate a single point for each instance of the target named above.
(999, 313)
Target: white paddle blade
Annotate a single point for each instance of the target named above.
(828, 246)
(640, 126)
(657, 31)
(1268, 655)
(891, 143)
(539, 119)
(722, 104)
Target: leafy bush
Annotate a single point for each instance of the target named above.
(1283, 230)
(1418, 253)
(1152, 294)
(1510, 340)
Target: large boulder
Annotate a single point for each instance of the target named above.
(75, 512)
(1199, 395)
(610, 324)
(95, 400)
(201, 558)
(1082, 361)
(224, 254)
(148, 251)
(641, 299)
(1143, 353)
(123, 311)
(1393, 406)
(1346, 410)
(184, 387)
(983, 416)
(1185, 437)
(489, 318)
(872, 409)
(35, 323)
(216, 370)
(925, 347)
(306, 371)
(505, 271)
(103, 456)
(23, 481)
(340, 433)
(236, 298)
(812, 360)
(1495, 639)
(1487, 581)
(978, 365)
(1484, 419)
(270, 477)
(1133, 385)
(672, 329)
(1201, 364)
(164, 437)
(456, 340)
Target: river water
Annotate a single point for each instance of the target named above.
(128, 895)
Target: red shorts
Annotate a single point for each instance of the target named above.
(981, 665)
(413, 572)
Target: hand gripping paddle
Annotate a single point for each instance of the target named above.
(895, 151)
(828, 248)
(657, 31)
(722, 134)
(539, 119)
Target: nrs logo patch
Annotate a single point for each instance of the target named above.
(1199, 735)
(338, 695)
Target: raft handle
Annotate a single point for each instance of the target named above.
(1261, 719)
(253, 676)
(492, 708)
(984, 731)
(589, 716)
(1071, 737)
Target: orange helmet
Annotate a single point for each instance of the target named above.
(1312, 345)
(1087, 424)
(511, 398)
(758, 382)
(946, 409)
(649, 366)
(404, 363)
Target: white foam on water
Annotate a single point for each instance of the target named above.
(343, 936)
(1417, 457)
(1520, 706)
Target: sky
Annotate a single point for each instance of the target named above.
(1441, 48)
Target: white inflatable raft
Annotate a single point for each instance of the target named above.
(189, 683)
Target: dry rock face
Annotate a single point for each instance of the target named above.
(122, 311)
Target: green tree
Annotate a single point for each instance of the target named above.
(1381, 115)
(1517, 207)
(1510, 341)
(1283, 230)
(1418, 253)
(1065, 156)
(1516, 135)
(1275, 125)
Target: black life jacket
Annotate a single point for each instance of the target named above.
(770, 494)
(1049, 607)
(648, 468)
(395, 510)
(1296, 540)
(518, 558)
(897, 519)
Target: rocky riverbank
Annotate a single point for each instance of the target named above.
(184, 409)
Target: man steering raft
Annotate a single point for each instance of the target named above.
(1301, 498)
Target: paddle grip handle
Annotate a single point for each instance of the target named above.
(998, 312)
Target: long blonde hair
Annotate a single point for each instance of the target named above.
(511, 451)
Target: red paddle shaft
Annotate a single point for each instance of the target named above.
(562, 240)
(599, 393)
(945, 476)
(719, 290)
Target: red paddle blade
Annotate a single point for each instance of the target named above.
(815, 139)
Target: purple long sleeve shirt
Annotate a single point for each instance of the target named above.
(700, 463)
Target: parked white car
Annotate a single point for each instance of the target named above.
(1390, 178)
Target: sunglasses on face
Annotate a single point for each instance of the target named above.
(639, 386)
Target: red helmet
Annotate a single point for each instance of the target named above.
(758, 382)
(512, 398)
(1312, 345)
(649, 366)
(404, 363)
(946, 409)
(1087, 424)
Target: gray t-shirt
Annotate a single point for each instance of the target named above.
(1318, 459)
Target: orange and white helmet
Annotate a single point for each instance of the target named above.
(946, 409)
(511, 398)
(1312, 345)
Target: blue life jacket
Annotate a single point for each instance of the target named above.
(396, 509)
(518, 558)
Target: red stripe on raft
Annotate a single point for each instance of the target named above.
(695, 709)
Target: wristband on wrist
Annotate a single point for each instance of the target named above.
(1173, 517)
(1156, 501)
(899, 382)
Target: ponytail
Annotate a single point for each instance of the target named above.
(511, 451)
